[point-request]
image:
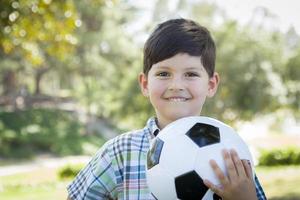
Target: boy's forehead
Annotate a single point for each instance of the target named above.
(180, 60)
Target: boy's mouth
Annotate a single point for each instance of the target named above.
(177, 99)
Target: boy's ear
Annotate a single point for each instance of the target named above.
(143, 81)
(213, 83)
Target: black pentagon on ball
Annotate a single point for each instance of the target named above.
(190, 186)
(204, 134)
(154, 153)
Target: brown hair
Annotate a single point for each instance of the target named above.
(180, 36)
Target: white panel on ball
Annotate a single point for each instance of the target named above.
(165, 188)
(204, 156)
(181, 152)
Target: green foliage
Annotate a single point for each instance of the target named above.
(286, 156)
(24, 133)
(37, 35)
(69, 171)
(245, 62)
(35, 28)
(291, 78)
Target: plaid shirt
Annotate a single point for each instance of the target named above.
(118, 170)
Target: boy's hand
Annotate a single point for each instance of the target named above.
(238, 184)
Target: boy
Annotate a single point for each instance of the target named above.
(178, 75)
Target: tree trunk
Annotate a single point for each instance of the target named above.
(38, 79)
(9, 81)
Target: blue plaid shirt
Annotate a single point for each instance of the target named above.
(118, 170)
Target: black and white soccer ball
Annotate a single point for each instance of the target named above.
(178, 159)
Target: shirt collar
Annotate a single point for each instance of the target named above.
(152, 126)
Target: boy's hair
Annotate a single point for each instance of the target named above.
(180, 36)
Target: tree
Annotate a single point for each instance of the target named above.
(246, 59)
(32, 33)
(103, 58)
(291, 79)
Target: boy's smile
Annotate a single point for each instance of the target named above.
(177, 87)
(176, 96)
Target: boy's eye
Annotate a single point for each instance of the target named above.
(163, 74)
(192, 74)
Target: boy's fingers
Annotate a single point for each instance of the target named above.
(219, 173)
(248, 168)
(238, 163)
(213, 187)
(231, 170)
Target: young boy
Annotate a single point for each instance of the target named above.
(178, 75)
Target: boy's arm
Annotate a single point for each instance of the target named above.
(238, 184)
(96, 180)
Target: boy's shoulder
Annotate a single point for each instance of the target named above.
(128, 139)
(135, 140)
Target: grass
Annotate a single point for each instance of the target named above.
(279, 183)
(39, 184)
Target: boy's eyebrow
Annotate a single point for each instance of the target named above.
(159, 66)
(169, 67)
(194, 68)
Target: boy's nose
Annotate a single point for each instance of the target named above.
(176, 84)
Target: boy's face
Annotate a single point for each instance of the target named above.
(177, 87)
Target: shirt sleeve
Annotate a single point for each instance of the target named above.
(259, 190)
(96, 181)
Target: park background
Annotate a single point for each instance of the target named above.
(68, 83)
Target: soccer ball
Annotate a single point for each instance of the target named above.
(178, 159)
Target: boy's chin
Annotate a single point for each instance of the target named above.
(176, 117)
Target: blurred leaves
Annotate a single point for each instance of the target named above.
(274, 157)
(35, 28)
(24, 133)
